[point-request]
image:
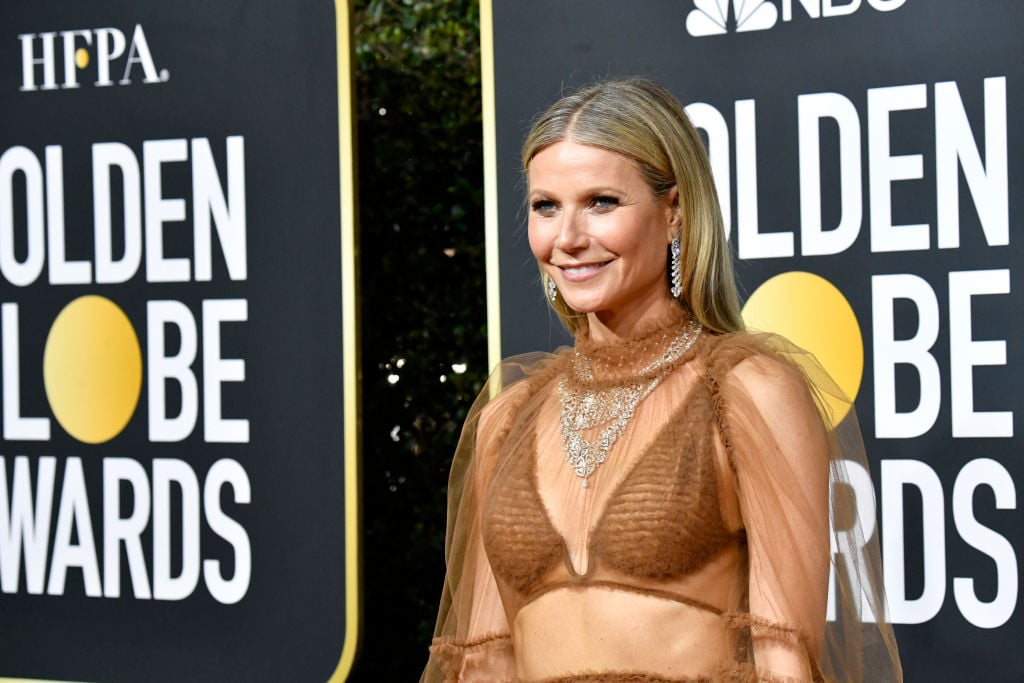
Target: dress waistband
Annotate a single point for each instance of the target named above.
(583, 582)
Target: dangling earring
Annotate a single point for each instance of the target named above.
(552, 291)
(676, 267)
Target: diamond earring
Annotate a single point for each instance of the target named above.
(676, 267)
(552, 291)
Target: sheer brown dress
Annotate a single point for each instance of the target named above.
(709, 546)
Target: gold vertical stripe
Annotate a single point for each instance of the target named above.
(350, 339)
(490, 184)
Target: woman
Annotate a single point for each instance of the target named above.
(653, 504)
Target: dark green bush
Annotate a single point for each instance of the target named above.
(420, 189)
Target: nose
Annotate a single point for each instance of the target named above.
(572, 234)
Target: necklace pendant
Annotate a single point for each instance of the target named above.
(587, 406)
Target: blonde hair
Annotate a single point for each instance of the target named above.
(644, 122)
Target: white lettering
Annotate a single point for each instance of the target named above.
(885, 169)
(177, 368)
(752, 244)
(832, 8)
(955, 148)
(16, 426)
(21, 528)
(915, 351)
(886, 5)
(110, 44)
(29, 62)
(814, 240)
(62, 271)
(851, 547)
(160, 210)
(216, 370)
(21, 273)
(227, 591)
(228, 214)
(965, 354)
(106, 156)
(811, 8)
(165, 586)
(138, 53)
(73, 518)
(126, 530)
(998, 611)
(70, 70)
(896, 474)
(25, 529)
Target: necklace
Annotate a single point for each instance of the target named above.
(584, 407)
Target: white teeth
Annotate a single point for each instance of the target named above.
(580, 269)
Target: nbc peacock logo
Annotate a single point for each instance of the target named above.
(715, 17)
(718, 17)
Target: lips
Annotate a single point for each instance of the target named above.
(582, 271)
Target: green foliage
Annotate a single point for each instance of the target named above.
(422, 303)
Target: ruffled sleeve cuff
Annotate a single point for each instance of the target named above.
(485, 658)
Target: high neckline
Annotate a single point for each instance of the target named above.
(623, 359)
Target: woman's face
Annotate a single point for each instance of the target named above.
(600, 233)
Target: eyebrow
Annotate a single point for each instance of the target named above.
(595, 191)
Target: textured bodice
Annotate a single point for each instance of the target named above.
(662, 520)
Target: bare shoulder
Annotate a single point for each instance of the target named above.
(760, 364)
(774, 392)
(767, 378)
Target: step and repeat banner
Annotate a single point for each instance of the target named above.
(177, 460)
(870, 177)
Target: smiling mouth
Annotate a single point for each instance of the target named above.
(582, 272)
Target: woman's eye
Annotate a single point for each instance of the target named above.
(604, 203)
(543, 206)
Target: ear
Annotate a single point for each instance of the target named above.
(672, 213)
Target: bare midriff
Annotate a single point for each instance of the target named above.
(579, 627)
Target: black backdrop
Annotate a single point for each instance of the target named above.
(262, 76)
(925, 94)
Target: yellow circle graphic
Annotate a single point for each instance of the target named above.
(808, 310)
(81, 58)
(92, 369)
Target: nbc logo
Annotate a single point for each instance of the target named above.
(717, 17)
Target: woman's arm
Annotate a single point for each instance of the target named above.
(781, 458)
(471, 639)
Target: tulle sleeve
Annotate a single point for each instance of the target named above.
(808, 557)
(471, 638)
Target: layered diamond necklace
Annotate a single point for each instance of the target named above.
(584, 407)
